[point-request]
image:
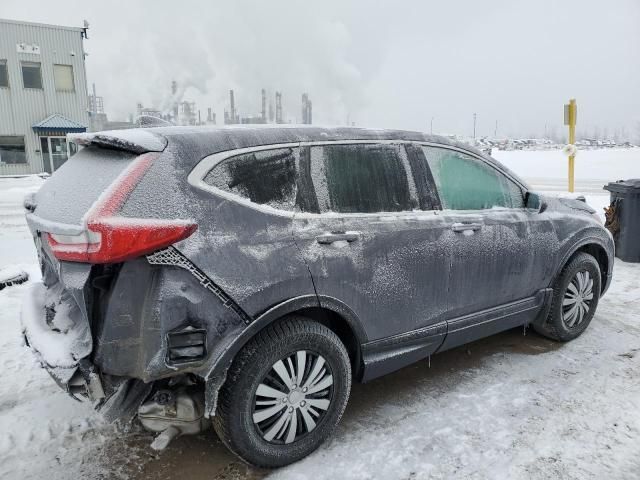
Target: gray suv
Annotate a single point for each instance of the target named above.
(250, 275)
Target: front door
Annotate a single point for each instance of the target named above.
(54, 152)
(498, 246)
(372, 246)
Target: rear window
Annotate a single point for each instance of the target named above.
(361, 178)
(77, 184)
(265, 177)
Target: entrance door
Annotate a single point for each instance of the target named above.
(54, 152)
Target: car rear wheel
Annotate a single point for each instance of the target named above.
(575, 298)
(284, 394)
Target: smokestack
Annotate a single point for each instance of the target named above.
(306, 109)
(174, 91)
(264, 106)
(232, 113)
(278, 107)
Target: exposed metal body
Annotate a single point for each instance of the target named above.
(179, 411)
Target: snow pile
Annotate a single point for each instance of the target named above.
(11, 274)
(603, 165)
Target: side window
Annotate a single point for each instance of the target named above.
(4, 75)
(63, 78)
(12, 150)
(361, 178)
(266, 177)
(31, 75)
(466, 183)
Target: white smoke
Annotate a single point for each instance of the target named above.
(245, 46)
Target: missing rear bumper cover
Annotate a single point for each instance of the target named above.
(172, 257)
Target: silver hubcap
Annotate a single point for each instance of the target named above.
(293, 397)
(577, 299)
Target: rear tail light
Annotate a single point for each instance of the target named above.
(110, 238)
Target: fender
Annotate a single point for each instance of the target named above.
(216, 376)
(598, 240)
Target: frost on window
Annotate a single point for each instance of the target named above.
(266, 177)
(361, 178)
(465, 183)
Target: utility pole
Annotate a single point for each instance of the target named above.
(432, 125)
(474, 126)
(570, 117)
(495, 132)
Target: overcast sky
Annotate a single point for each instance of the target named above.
(385, 64)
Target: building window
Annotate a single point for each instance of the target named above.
(63, 77)
(31, 76)
(12, 150)
(4, 75)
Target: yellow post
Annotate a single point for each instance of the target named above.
(571, 113)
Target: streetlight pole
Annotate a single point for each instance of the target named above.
(432, 125)
(474, 126)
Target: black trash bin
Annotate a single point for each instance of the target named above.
(623, 218)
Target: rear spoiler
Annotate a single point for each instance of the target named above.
(131, 140)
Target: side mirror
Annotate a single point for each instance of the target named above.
(534, 201)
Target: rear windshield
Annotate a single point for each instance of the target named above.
(76, 185)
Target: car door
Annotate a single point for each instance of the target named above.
(373, 245)
(500, 250)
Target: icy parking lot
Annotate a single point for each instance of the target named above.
(513, 406)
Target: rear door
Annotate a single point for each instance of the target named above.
(375, 243)
(499, 249)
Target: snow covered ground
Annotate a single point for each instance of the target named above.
(506, 407)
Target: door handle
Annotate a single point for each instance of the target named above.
(328, 238)
(466, 227)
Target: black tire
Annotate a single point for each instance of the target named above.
(556, 326)
(234, 419)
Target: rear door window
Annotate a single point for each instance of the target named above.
(362, 178)
(467, 183)
(265, 177)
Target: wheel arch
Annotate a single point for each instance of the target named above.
(600, 254)
(328, 311)
(594, 247)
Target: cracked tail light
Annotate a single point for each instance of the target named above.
(109, 238)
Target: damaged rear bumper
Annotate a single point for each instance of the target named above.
(58, 334)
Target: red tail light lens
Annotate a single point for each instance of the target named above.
(109, 238)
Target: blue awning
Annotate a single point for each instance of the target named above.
(57, 123)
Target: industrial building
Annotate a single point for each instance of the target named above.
(43, 95)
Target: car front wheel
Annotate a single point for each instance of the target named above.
(284, 394)
(576, 292)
